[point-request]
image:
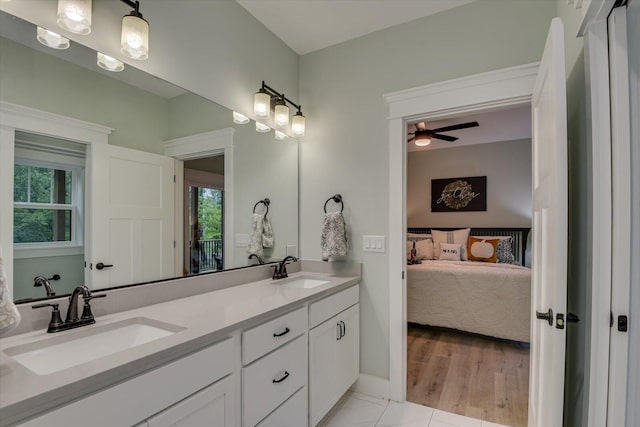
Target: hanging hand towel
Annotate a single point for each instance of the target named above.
(267, 233)
(255, 236)
(9, 314)
(334, 236)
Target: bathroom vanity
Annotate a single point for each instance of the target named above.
(264, 353)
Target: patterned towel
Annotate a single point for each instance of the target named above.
(334, 236)
(255, 235)
(267, 233)
(9, 314)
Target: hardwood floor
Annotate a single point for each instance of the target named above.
(468, 374)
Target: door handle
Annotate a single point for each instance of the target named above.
(339, 331)
(344, 329)
(548, 316)
(101, 265)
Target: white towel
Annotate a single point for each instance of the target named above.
(9, 314)
(255, 235)
(334, 236)
(267, 233)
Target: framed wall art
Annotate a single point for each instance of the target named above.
(459, 194)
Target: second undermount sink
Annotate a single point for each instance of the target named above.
(73, 348)
(305, 282)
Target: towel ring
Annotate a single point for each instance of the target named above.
(337, 198)
(266, 202)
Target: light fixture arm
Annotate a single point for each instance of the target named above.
(135, 5)
(265, 87)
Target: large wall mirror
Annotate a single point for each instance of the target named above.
(140, 207)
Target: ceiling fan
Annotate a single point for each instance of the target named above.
(423, 136)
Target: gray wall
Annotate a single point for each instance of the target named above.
(507, 166)
(69, 267)
(345, 150)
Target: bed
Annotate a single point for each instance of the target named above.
(492, 299)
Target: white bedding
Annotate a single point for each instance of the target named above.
(484, 298)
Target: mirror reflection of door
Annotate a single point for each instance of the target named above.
(203, 213)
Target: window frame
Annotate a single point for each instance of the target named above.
(70, 247)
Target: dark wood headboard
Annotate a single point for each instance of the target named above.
(518, 236)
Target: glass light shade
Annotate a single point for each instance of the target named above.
(51, 39)
(281, 115)
(422, 140)
(281, 135)
(240, 119)
(134, 41)
(298, 124)
(262, 104)
(262, 127)
(109, 63)
(75, 16)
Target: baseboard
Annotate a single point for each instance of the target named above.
(372, 386)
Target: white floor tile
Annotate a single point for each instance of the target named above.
(405, 414)
(356, 412)
(447, 419)
(368, 398)
(490, 424)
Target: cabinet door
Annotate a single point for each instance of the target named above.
(347, 368)
(323, 361)
(213, 406)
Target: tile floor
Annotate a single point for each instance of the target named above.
(358, 410)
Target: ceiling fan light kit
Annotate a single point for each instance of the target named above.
(423, 136)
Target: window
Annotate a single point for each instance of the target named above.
(47, 204)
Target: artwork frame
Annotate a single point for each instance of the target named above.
(465, 194)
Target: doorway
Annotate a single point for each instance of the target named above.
(204, 215)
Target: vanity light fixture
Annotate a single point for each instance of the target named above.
(261, 127)
(75, 16)
(422, 139)
(134, 40)
(281, 136)
(267, 99)
(109, 63)
(51, 39)
(240, 118)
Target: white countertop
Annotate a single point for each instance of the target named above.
(207, 318)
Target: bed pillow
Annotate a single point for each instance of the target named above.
(459, 237)
(450, 252)
(505, 252)
(424, 249)
(485, 250)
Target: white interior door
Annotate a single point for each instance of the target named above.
(550, 232)
(130, 216)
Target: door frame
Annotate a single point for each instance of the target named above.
(15, 117)
(494, 90)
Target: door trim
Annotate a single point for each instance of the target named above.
(509, 87)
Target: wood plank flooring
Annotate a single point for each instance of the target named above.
(468, 374)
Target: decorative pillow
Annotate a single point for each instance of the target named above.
(485, 250)
(424, 248)
(450, 251)
(456, 236)
(505, 252)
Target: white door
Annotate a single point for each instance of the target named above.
(550, 233)
(130, 216)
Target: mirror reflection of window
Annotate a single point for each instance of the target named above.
(48, 210)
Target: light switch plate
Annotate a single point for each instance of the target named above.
(242, 240)
(373, 243)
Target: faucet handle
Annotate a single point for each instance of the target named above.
(86, 310)
(56, 320)
(90, 297)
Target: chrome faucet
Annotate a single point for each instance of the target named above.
(256, 256)
(72, 321)
(43, 281)
(280, 270)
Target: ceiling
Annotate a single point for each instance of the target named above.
(503, 125)
(309, 25)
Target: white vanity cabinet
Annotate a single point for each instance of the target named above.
(334, 355)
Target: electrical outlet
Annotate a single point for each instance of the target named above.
(373, 243)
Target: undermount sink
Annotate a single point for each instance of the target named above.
(305, 282)
(84, 345)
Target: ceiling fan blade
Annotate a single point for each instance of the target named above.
(444, 137)
(456, 127)
(411, 139)
(421, 126)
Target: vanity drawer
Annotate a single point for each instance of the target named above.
(330, 306)
(271, 335)
(271, 380)
(292, 413)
